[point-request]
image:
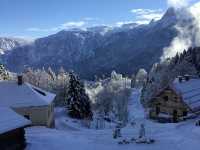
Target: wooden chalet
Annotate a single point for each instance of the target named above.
(177, 101)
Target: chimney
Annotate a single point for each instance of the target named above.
(19, 79)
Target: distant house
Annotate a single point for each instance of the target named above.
(12, 130)
(176, 101)
(29, 101)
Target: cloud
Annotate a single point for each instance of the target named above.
(142, 21)
(72, 24)
(188, 29)
(121, 23)
(178, 3)
(66, 25)
(195, 11)
(144, 16)
(178, 45)
(145, 11)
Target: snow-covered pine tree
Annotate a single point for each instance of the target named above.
(3, 73)
(77, 100)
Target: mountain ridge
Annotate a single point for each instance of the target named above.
(96, 52)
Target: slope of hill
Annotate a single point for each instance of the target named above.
(183, 135)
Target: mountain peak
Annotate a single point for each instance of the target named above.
(170, 18)
(171, 12)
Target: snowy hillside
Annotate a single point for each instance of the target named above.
(180, 136)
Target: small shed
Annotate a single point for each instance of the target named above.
(176, 101)
(12, 134)
(29, 101)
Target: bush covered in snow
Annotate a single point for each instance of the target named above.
(112, 97)
(140, 78)
(4, 75)
(48, 80)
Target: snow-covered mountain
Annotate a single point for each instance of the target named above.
(98, 50)
(7, 44)
(100, 29)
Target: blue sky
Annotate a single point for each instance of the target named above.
(37, 18)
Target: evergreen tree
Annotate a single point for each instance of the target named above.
(78, 101)
(3, 73)
(176, 59)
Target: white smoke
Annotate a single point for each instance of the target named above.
(188, 27)
(195, 11)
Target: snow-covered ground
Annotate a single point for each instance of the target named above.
(70, 135)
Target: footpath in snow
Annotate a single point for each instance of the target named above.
(69, 135)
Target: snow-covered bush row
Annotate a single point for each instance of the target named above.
(48, 80)
(92, 89)
(141, 78)
(110, 97)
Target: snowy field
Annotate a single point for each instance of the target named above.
(70, 135)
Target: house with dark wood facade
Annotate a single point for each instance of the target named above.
(12, 134)
(177, 101)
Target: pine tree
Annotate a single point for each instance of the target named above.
(78, 101)
(3, 73)
(176, 59)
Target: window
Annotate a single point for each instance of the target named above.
(157, 110)
(165, 98)
(175, 99)
(27, 117)
(175, 116)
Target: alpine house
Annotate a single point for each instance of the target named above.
(177, 101)
(29, 101)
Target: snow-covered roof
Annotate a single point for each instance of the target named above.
(190, 92)
(25, 95)
(10, 120)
